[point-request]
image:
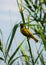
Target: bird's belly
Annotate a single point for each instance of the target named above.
(25, 33)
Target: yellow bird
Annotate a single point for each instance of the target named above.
(26, 32)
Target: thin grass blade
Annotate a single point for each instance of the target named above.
(1, 59)
(38, 56)
(15, 51)
(17, 58)
(12, 37)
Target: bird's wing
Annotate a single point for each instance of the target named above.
(26, 32)
(29, 33)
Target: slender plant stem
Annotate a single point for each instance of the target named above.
(30, 51)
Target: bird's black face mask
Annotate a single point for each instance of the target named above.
(21, 25)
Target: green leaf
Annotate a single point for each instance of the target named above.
(15, 52)
(42, 60)
(26, 2)
(1, 49)
(1, 32)
(17, 58)
(28, 5)
(43, 40)
(7, 41)
(1, 46)
(24, 53)
(1, 59)
(26, 58)
(38, 56)
(12, 37)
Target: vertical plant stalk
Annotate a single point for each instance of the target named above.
(30, 51)
(21, 11)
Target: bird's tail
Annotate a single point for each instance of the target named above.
(35, 39)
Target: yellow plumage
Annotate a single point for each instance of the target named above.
(26, 32)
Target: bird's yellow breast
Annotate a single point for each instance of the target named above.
(25, 32)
